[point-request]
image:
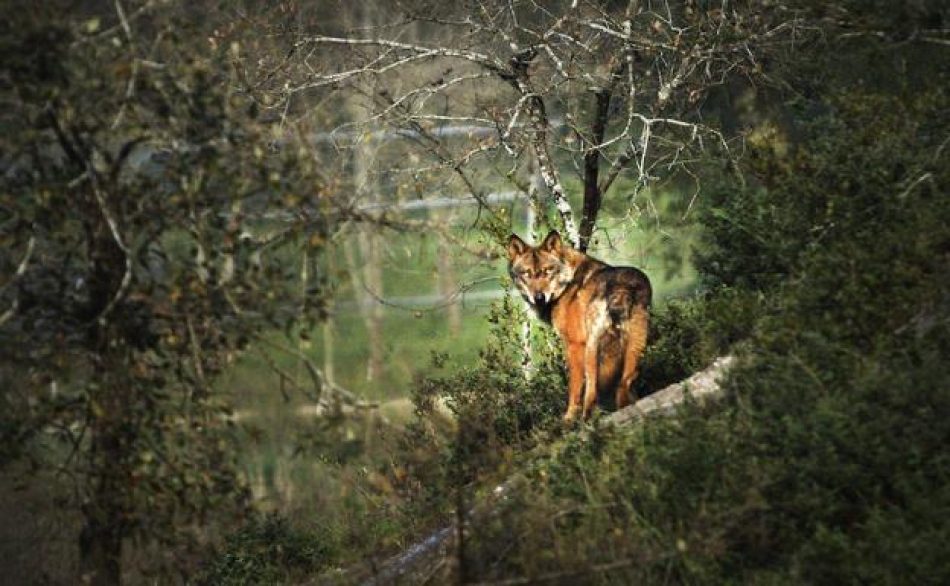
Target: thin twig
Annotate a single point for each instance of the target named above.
(117, 237)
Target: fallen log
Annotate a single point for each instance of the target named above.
(701, 386)
(419, 563)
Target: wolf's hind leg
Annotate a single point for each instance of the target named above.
(635, 331)
(599, 321)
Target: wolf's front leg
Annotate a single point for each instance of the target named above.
(575, 379)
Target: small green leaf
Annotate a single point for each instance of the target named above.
(91, 26)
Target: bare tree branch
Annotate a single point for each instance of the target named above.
(20, 270)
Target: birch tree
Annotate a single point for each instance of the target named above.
(590, 92)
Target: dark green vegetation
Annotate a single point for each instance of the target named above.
(267, 550)
(827, 460)
(822, 258)
(137, 265)
(828, 273)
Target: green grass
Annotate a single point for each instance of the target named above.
(411, 340)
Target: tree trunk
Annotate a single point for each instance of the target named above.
(592, 193)
(548, 171)
(100, 542)
(370, 272)
(329, 323)
(373, 316)
(112, 431)
(447, 278)
(369, 307)
(535, 213)
(104, 527)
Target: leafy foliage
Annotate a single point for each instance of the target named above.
(139, 257)
(498, 413)
(268, 550)
(689, 333)
(826, 462)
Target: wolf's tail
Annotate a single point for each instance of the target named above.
(619, 304)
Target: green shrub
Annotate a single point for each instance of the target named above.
(499, 412)
(827, 274)
(496, 392)
(268, 550)
(686, 335)
(826, 463)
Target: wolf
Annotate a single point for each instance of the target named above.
(600, 312)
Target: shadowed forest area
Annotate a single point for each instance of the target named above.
(256, 325)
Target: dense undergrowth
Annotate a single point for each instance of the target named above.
(828, 276)
(826, 270)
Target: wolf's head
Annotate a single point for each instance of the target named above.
(541, 273)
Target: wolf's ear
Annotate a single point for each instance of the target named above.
(516, 246)
(552, 242)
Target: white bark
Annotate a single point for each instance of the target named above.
(701, 386)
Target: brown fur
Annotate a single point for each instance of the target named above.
(601, 313)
